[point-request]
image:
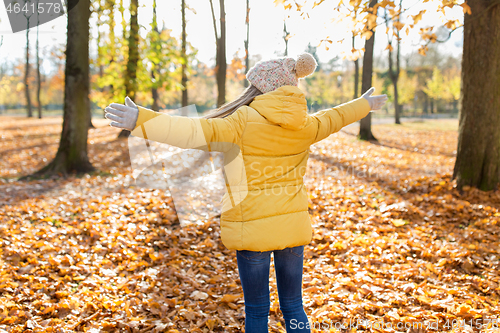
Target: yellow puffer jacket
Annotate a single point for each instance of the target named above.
(266, 146)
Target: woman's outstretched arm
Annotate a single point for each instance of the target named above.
(217, 134)
(330, 121)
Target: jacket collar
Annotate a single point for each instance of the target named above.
(285, 106)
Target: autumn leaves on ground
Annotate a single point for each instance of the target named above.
(394, 242)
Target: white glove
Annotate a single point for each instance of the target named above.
(376, 102)
(123, 116)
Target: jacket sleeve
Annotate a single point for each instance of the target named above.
(217, 134)
(330, 121)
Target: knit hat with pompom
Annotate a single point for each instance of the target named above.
(272, 74)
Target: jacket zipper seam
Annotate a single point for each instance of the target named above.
(243, 157)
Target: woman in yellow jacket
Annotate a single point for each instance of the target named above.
(265, 135)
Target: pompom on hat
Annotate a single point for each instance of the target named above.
(271, 74)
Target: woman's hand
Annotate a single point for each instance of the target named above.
(123, 116)
(376, 102)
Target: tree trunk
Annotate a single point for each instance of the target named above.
(356, 71)
(110, 5)
(133, 58)
(99, 53)
(397, 107)
(365, 126)
(72, 153)
(394, 73)
(220, 58)
(154, 89)
(398, 70)
(100, 9)
(133, 52)
(154, 93)
(90, 118)
(39, 77)
(99, 23)
(247, 55)
(478, 153)
(222, 63)
(26, 73)
(184, 57)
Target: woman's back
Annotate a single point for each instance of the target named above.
(265, 207)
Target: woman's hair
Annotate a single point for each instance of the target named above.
(229, 108)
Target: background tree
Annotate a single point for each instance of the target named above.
(356, 69)
(235, 76)
(453, 86)
(323, 89)
(38, 75)
(407, 88)
(369, 20)
(133, 56)
(98, 7)
(72, 152)
(220, 58)
(133, 51)
(365, 126)
(8, 84)
(329, 85)
(53, 87)
(394, 72)
(184, 56)
(111, 86)
(478, 153)
(355, 54)
(162, 57)
(286, 37)
(155, 44)
(313, 50)
(202, 81)
(27, 68)
(435, 88)
(247, 40)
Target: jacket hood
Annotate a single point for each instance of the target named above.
(285, 106)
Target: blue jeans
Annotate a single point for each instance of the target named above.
(254, 275)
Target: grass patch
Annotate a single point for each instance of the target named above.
(427, 125)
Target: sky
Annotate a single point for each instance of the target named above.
(266, 29)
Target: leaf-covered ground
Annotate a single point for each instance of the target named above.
(394, 242)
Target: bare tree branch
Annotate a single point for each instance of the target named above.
(214, 20)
